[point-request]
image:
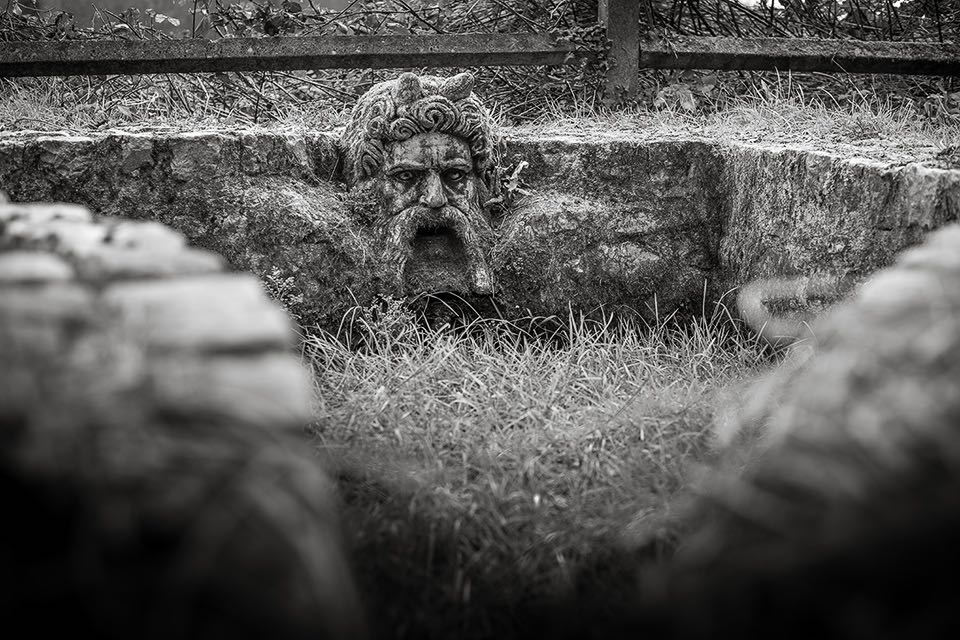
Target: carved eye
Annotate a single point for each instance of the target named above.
(454, 175)
(404, 176)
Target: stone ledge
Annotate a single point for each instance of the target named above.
(26, 267)
(613, 219)
(39, 213)
(114, 263)
(76, 291)
(263, 389)
(223, 312)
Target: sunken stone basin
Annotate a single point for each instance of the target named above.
(608, 218)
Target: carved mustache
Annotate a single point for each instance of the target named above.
(470, 227)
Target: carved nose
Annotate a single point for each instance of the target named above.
(433, 193)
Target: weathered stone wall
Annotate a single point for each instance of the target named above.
(153, 466)
(613, 219)
(263, 202)
(802, 212)
(611, 223)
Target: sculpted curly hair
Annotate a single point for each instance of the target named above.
(397, 110)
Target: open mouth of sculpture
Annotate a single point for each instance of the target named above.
(439, 261)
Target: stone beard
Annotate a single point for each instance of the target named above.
(422, 151)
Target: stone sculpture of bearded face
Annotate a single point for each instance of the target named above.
(421, 149)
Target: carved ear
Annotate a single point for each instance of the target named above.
(458, 87)
(408, 89)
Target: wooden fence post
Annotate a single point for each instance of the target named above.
(622, 21)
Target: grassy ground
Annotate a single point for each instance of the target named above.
(487, 467)
(773, 109)
(781, 111)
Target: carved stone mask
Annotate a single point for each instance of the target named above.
(422, 151)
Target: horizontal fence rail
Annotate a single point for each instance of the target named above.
(128, 57)
(801, 54)
(106, 57)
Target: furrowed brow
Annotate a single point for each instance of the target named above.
(456, 164)
(406, 166)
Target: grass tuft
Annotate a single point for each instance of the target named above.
(484, 466)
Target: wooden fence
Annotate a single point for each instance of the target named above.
(628, 53)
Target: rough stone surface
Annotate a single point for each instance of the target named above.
(151, 428)
(636, 222)
(64, 236)
(66, 279)
(611, 223)
(38, 213)
(802, 212)
(267, 389)
(33, 266)
(117, 263)
(44, 320)
(209, 313)
(856, 482)
(146, 235)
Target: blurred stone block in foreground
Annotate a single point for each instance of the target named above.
(152, 458)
